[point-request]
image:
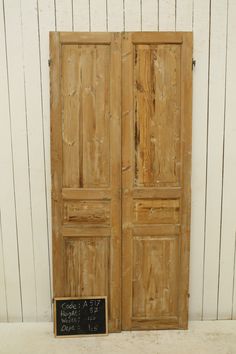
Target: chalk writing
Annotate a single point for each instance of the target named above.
(80, 316)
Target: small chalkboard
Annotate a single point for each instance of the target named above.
(80, 316)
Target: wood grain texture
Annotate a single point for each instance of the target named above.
(86, 171)
(87, 260)
(157, 99)
(156, 156)
(56, 165)
(186, 154)
(86, 212)
(155, 280)
(85, 79)
(160, 211)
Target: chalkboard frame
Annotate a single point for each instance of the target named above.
(79, 298)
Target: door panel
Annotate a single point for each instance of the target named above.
(154, 296)
(86, 166)
(157, 114)
(156, 151)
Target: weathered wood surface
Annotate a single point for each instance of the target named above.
(86, 170)
(156, 157)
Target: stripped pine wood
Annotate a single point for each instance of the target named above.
(156, 154)
(227, 299)
(84, 257)
(154, 98)
(160, 211)
(85, 38)
(151, 300)
(157, 230)
(85, 118)
(85, 231)
(84, 212)
(215, 157)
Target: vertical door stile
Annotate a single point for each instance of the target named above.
(56, 163)
(127, 176)
(186, 128)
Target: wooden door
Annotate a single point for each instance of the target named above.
(86, 166)
(156, 158)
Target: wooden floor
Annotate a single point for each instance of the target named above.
(208, 337)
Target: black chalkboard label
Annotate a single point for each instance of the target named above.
(80, 316)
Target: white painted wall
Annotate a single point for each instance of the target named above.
(25, 237)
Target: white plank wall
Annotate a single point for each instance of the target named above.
(215, 155)
(201, 26)
(25, 214)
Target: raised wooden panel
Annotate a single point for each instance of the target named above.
(87, 260)
(86, 212)
(162, 211)
(85, 93)
(156, 163)
(155, 276)
(157, 114)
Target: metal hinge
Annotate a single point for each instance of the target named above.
(193, 63)
(49, 62)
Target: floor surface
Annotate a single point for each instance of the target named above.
(208, 337)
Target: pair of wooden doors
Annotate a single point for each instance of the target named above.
(121, 156)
